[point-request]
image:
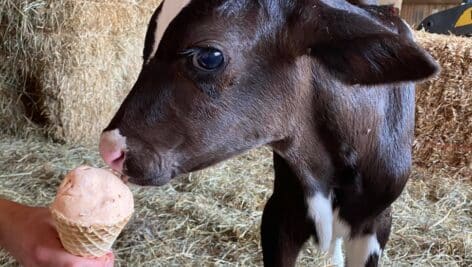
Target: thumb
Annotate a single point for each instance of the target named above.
(108, 259)
(103, 261)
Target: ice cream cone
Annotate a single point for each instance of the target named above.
(86, 241)
(91, 208)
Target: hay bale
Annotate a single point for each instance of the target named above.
(13, 117)
(10, 111)
(74, 60)
(444, 105)
(71, 63)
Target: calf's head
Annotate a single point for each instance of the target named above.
(224, 76)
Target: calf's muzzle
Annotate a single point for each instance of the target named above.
(112, 149)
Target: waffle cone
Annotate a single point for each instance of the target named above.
(87, 240)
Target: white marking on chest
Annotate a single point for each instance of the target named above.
(321, 212)
(336, 252)
(359, 249)
(341, 230)
(170, 10)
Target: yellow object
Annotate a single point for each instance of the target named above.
(465, 18)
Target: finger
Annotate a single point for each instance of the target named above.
(59, 254)
(107, 258)
(109, 262)
(56, 248)
(86, 262)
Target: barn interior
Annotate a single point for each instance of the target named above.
(65, 67)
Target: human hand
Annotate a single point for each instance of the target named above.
(30, 236)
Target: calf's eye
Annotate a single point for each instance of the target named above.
(208, 59)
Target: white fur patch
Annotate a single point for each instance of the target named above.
(111, 141)
(359, 249)
(170, 10)
(321, 212)
(336, 252)
(341, 230)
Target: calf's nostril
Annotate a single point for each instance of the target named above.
(114, 159)
(112, 149)
(120, 159)
(117, 164)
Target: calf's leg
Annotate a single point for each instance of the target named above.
(365, 248)
(285, 224)
(284, 231)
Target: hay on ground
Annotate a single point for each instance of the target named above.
(212, 218)
(444, 105)
(71, 61)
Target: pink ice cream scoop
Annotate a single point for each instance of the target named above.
(90, 209)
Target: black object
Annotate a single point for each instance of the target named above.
(457, 21)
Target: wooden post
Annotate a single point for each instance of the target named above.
(396, 3)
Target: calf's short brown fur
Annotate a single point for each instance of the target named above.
(327, 84)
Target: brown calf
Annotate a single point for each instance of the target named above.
(325, 83)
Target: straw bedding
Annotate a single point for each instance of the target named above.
(212, 218)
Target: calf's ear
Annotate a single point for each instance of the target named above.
(363, 46)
